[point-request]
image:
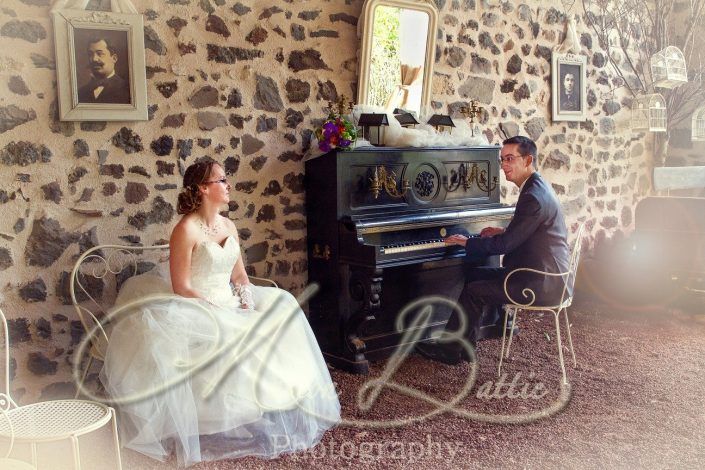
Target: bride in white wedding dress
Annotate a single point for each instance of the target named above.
(254, 381)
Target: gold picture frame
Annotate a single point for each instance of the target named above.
(100, 65)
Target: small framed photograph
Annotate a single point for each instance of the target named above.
(568, 90)
(100, 66)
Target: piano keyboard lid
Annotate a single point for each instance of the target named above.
(429, 219)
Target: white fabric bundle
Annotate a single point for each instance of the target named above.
(423, 135)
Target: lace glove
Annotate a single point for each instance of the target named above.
(244, 291)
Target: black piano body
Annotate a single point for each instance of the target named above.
(376, 218)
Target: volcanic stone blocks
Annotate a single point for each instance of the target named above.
(34, 291)
(47, 242)
(215, 24)
(266, 96)
(251, 144)
(163, 145)
(209, 120)
(153, 42)
(234, 99)
(52, 192)
(309, 59)
(11, 116)
(127, 140)
(17, 85)
(30, 31)
(297, 91)
(266, 213)
(5, 259)
(257, 36)
(39, 364)
(136, 193)
(257, 252)
(204, 97)
(167, 88)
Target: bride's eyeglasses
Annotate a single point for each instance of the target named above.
(221, 180)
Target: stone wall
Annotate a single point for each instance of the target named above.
(242, 82)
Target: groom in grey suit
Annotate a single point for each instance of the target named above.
(535, 238)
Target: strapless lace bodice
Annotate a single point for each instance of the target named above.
(211, 267)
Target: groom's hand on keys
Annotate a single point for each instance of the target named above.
(456, 240)
(491, 231)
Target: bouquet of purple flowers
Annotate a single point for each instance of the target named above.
(335, 132)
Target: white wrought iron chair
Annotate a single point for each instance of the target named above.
(50, 421)
(6, 463)
(105, 263)
(512, 309)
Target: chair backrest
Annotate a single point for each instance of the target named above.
(573, 264)
(6, 401)
(99, 273)
(568, 278)
(6, 424)
(96, 279)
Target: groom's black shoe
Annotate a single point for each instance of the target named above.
(446, 353)
(436, 352)
(497, 330)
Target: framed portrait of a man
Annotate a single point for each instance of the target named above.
(100, 66)
(568, 90)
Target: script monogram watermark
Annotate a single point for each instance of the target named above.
(266, 333)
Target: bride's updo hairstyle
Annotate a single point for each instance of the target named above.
(190, 197)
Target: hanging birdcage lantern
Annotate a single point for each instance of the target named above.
(698, 130)
(649, 113)
(668, 68)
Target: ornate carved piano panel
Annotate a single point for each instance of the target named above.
(376, 220)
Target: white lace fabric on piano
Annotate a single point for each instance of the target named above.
(424, 135)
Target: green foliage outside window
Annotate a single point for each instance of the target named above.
(385, 64)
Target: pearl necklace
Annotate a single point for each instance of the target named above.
(210, 231)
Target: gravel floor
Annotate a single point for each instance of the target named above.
(637, 401)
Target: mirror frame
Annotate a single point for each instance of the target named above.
(365, 29)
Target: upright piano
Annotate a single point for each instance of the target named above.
(376, 219)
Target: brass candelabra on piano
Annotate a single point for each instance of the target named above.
(382, 180)
(340, 105)
(466, 179)
(471, 112)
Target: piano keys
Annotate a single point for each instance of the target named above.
(376, 220)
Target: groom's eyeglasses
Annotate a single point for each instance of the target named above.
(509, 159)
(221, 180)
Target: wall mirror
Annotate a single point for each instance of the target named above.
(398, 42)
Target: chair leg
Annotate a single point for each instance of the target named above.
(570, 337)
(116, 439)
(504, 337)
(560, 346)
(515, 317)
(83, 378)
(76, 453)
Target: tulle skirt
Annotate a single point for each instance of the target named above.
(215, 381)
